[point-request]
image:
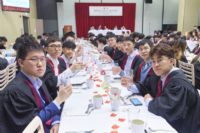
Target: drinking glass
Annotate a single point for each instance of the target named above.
(115, 68)
(128, 73)
(133, 113)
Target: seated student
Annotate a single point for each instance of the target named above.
(3, 63)
(92, 39)
(120, 44)
(127, 33)
(135, 36)
(131, 59)
(196, 50)
(194, 36)
(179, 50)
(158, 39)
(171, 37)
(164, 39)
(168, 93)
(26, 96)
(56, 72)
(106, 48)
(116, 53)
(196, 63)
(3, 41)
(69, 37)
(123, 33)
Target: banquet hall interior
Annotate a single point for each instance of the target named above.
(99, 66)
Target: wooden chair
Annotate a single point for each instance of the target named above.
(35, 124)
(12, 68)
(175, 62)
(188, 70)
(3, 79)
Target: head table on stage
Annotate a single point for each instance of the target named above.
(73, 117)
(116, 32)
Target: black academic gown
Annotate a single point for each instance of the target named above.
(195, 50)
(137, 61)
(18, 105)
(179, 103)
(50, 79)
(94, 42)
(117, 56)
(42, 42)
(109, 50)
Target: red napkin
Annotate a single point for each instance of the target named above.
(113, 132)
(91, 77)
(121, 119)
(86, 68)
(98, 85)
(103, 72)
(96, 72)
(96, 77)
(92, 64)
(104, 95)
(95, 92)
(113, 115)
(107, 101)
(115, 126)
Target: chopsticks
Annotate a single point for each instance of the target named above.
(114, 97)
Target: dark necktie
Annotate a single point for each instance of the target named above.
(159, 88)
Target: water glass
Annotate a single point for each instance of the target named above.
(133, 113)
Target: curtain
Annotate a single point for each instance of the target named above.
(84, 21)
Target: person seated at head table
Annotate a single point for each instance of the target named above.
(91, 28)
(131, 59)
(179, 47)
(123, 33)
(164, 39)
(196, 50)
(26, 96)
(105, 28)
(123, 28)
(143, 69)
(104, 46)
(168, 93)
(99, 28)
(56, 73)
(196, 63)
(3, 44)
(115, 28)
(68, 37)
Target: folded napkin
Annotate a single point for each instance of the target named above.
(69, 113)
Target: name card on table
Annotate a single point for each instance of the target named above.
(104, 86)
(105, 11)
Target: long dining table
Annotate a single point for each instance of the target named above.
(74, 119)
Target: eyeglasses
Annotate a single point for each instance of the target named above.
(145, 49)
(42, 60)
(160, 61)
(54, 47)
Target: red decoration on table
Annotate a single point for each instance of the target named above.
(86, 68)
(113, 115)
(107, 101)
(121, 119)
(98, 85)
(107, 90)
(115, 126)
(92, 64)
(104, 95)
(95, 92)
(91, 77)
(96, 72)
(113, 132)
(96, 77)
(103, 72)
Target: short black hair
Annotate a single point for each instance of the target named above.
(52, 39)
(16, 46)
(69, 44)
(172, 35)
(66, 35)
(148, 37)
(71, 32)
(109, 33)
(102, 40)
(177, 37)
(3, 39)
(128, 38)
(164, 34)
(91, 34)
(111, 36)
(27, 47)
(39, 37)
(141, 43)
(141, 36)
(128, 32)
(120, 38)
(22, 36)
(159, 36)
(136, 34)
(123, 32)
(44, 34)
(178, 33)
(26, 34)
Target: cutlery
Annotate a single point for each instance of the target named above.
(133, 95)
(155, 130)
(81, 131)
(90, 111)
(125, 104)
(89, 106)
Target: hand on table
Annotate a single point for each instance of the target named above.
(64, 93)
(105, 57)
(147, 96)
(55, 128)
(124, 81)
(76, 66)
(116, 70)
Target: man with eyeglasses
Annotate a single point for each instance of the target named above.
(168, 93)
(56, 72)
(26, 96)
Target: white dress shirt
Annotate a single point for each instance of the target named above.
(130, 60)
(62, 77)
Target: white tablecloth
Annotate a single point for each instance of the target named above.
(116, 32)
(10, 59)
(191, 44)
(100, 119)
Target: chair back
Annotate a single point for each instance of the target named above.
(188, 70)
(3, 79)
(35, 124)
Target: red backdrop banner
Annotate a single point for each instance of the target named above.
(84, 21)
